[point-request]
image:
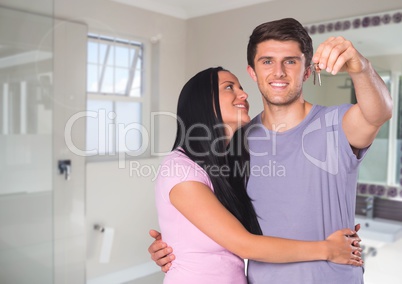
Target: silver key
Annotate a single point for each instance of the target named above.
(317, 73)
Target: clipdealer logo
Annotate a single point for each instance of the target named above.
(330, 164)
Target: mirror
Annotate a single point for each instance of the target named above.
(378, 37)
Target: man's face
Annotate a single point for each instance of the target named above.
(279, 70)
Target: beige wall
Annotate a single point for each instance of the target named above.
(116, 197)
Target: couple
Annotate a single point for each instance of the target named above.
(210, 219)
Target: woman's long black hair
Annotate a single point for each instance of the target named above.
(201, 136)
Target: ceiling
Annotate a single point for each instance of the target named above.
(186, 9)
(387, 39)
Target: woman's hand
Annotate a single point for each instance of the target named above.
(343, 247)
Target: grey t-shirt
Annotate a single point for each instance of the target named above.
(303, 186)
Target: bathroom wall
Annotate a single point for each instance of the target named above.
(116, 196)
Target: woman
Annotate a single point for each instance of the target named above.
(208, 220)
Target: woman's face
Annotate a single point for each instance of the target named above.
(233, 102)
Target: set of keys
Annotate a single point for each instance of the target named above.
(316, 73)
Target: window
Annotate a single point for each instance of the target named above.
(383, 163)
(374, 168)
(117, 98)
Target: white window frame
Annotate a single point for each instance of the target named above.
(144, 99)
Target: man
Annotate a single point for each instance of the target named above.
(313, 151)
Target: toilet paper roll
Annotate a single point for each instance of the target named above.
(107, 244)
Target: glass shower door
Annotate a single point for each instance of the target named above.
(26, 193)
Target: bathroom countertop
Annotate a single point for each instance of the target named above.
(385, 266)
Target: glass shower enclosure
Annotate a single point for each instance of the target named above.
(26, 110)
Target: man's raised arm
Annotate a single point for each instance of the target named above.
(374, 104)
